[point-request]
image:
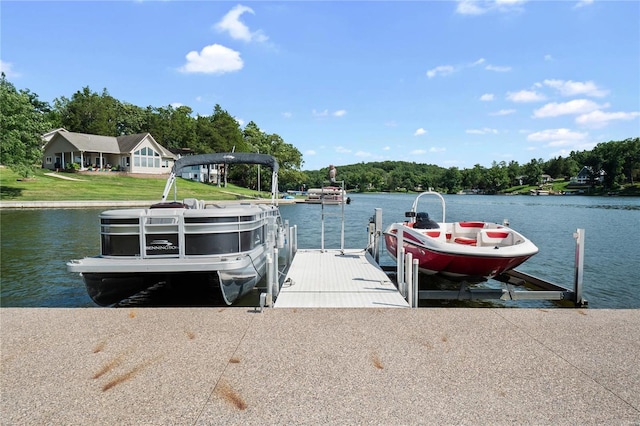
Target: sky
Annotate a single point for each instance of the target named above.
(451, 83)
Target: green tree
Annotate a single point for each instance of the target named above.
(631, 162)
(131, 119)
(289, 157)
(533, 171)
(498, 177)
(90, 112)
(514, 171)
(23, 122)
(452, 180)
(228, 134)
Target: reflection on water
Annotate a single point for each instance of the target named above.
(36, 244)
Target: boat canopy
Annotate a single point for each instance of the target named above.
(226, 158)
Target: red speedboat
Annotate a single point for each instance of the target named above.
(463, 250)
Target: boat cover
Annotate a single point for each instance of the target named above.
(226, 158)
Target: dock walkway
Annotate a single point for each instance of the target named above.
(337, 279)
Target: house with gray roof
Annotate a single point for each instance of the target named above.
(138, 153)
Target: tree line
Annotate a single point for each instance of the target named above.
(24, 119)
(617, 162)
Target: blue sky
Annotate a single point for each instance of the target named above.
(452, 83)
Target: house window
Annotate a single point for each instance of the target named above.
(146, 157)
(48, 160)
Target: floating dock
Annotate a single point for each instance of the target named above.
(337, 279)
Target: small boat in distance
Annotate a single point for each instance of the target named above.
(219, 247)
(327, 195)
(471, 250)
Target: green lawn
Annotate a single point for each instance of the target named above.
(108, 186)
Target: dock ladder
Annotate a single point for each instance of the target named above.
(328, 197)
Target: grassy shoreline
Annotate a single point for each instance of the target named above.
(108, 186)
(114, 186)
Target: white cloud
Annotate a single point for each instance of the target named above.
(440, 70)
(557, 137)
(497, 68)
(287, 114)
(479, 7)
(232, 25)
(343, 150)
(443, 70)
(310, 152)
(437, 149)
(576, 106)
(176, 104)
(7, 69)
(487, 97)
(582, 3)
(548, 57)
(419, 132)
(599, 118)
(575, 88)
(484, 131)
(469, 7)
(525, 96)
(503, 112)
(363, 154)
(212, 59)
(386, 148)
(326, 113)
(418, 152)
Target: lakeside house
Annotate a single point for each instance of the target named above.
(586, 175)
(138, 153)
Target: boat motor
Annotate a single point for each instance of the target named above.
(424, 222)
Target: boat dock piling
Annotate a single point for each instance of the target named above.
(323, 202)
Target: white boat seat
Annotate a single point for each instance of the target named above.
(193, 203)
(466, 232)
(495, 237)
(465, 241)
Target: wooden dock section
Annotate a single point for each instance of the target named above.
(337, 279)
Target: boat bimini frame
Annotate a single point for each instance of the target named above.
(223, 158)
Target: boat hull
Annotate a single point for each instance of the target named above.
(107, 289)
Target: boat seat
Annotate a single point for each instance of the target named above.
(438, 234)
(466, 230)
(465, 241)
(193, 203)
(495, 237)
(462, 227)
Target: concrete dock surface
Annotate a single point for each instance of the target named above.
(202, 366)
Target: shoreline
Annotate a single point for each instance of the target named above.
(80, 204)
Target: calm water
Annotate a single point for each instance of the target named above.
(37, 243)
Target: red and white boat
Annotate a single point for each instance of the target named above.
(463, 250)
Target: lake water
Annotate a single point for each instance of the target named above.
(36, 244)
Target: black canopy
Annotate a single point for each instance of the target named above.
(226, 158)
